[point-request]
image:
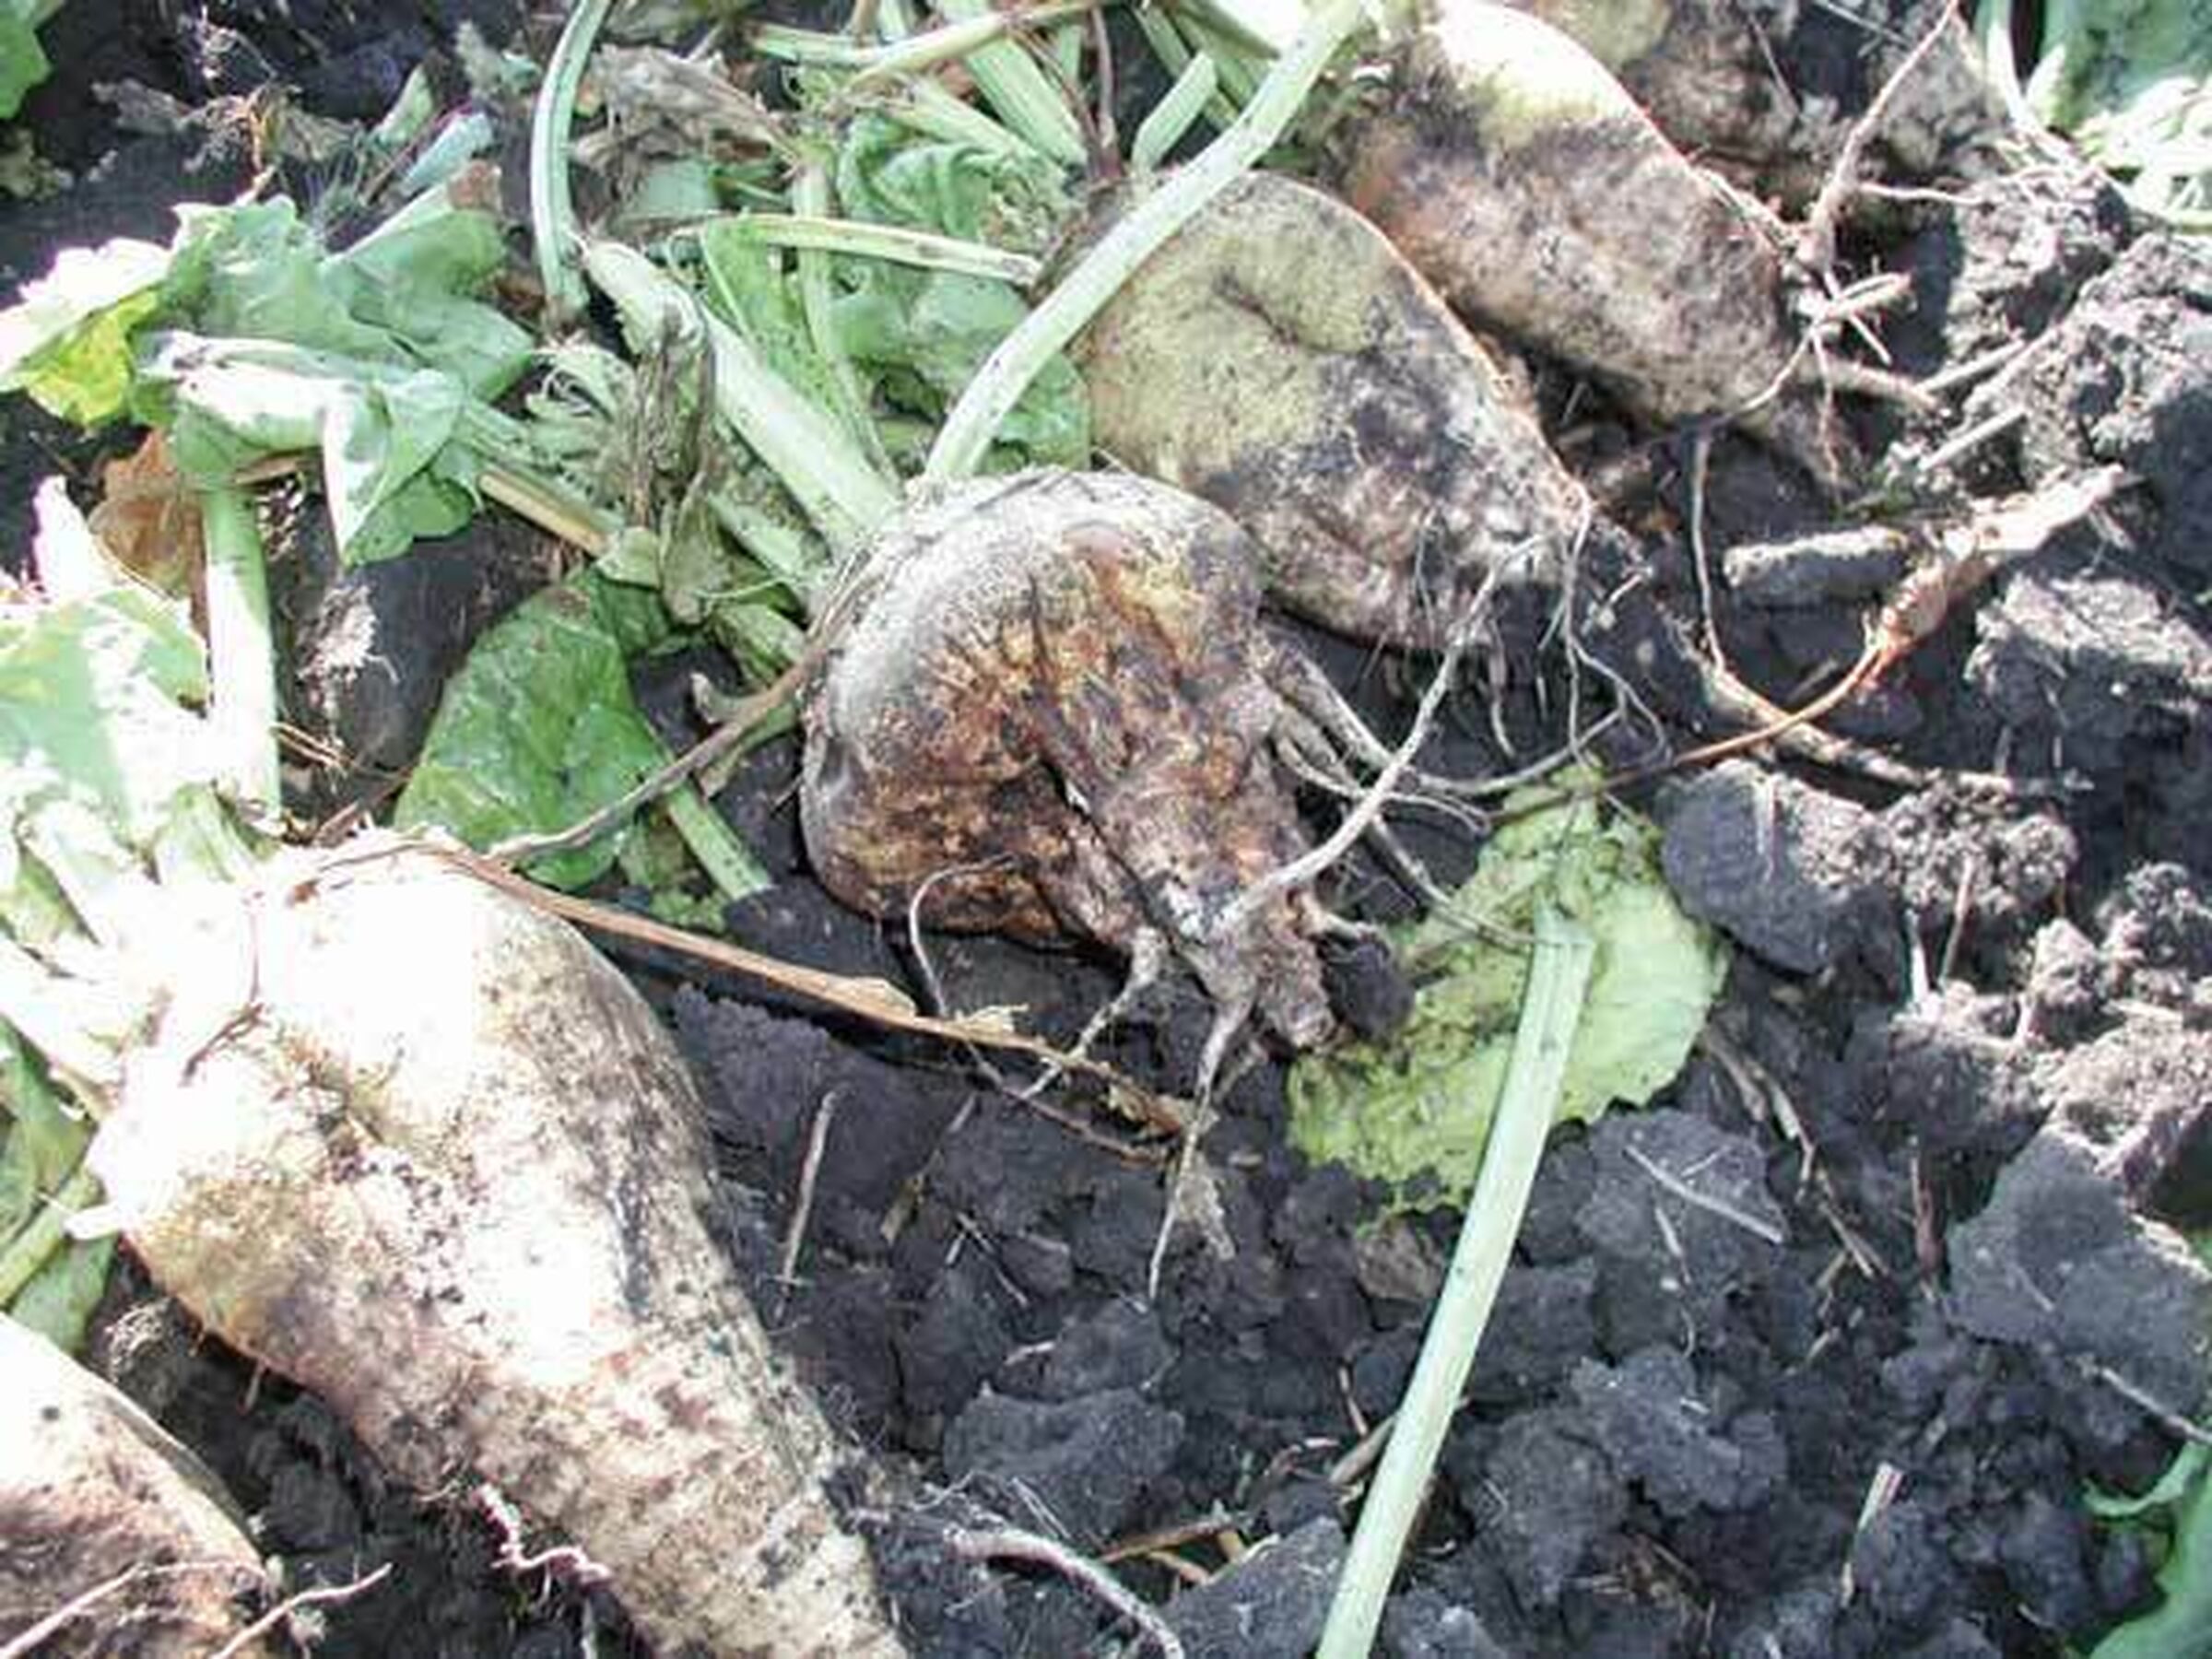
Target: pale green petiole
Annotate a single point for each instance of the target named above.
(933, 112)
(552, 212)
(815, 204)
(1175, 55)
(895, 243)
(1551, 1008)
(1019, 91)
(46, 1232)
(911, 54)
(241, 658)
(833, 483)
(727, 861)
(1172, 117)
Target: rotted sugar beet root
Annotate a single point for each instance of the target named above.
(1052, 717)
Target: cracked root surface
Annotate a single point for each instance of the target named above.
(1052, 718)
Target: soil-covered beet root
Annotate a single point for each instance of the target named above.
(1761, 90)
(412, 1143)
(1052, 718)
(1525, 182)
(1699, 69)
(1280, 358)
(93, 1491)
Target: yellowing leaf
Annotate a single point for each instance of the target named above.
(1415, 1110)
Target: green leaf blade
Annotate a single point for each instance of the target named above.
(1415, 1110)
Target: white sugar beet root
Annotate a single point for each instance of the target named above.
(419, 1147)
(113, 1538)
(1528, 186)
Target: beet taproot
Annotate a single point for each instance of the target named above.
(113, 1538)
(1525, 182)
(1280, 358)
(1052, 717)
(415, 1145)
(1701, 69)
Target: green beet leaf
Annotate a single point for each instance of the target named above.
(66, 340)
(89, 708)
(890, 174)
(925, 334)
(1415, 1110)
(2180, 1627)
(538, 729)
(22, 61)
(247, 337)
(393, 465)
(2131, 82)
(402, 296)
(47, 1281)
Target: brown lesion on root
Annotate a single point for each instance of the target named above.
(1110, 777)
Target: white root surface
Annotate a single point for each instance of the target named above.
(1525, 182)
(440, 1164)
(113, 1538)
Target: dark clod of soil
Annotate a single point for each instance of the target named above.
(2127, 377)
(1073, 1468)
(1274, 1601)
(1785, 870)
(2057, 1260)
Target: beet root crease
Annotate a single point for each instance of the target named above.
(1053, 716)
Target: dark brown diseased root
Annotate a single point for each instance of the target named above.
(1280, 358)
(1051, 718)
(1523, 180)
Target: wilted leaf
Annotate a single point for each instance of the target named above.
(67, 341)
(1419, 1105)
(400, 297)
(926, 334)
(892, 174)
(89, 696)
(148, 519)
(391, 468)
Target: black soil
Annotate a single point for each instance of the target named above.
(1911, 1223)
